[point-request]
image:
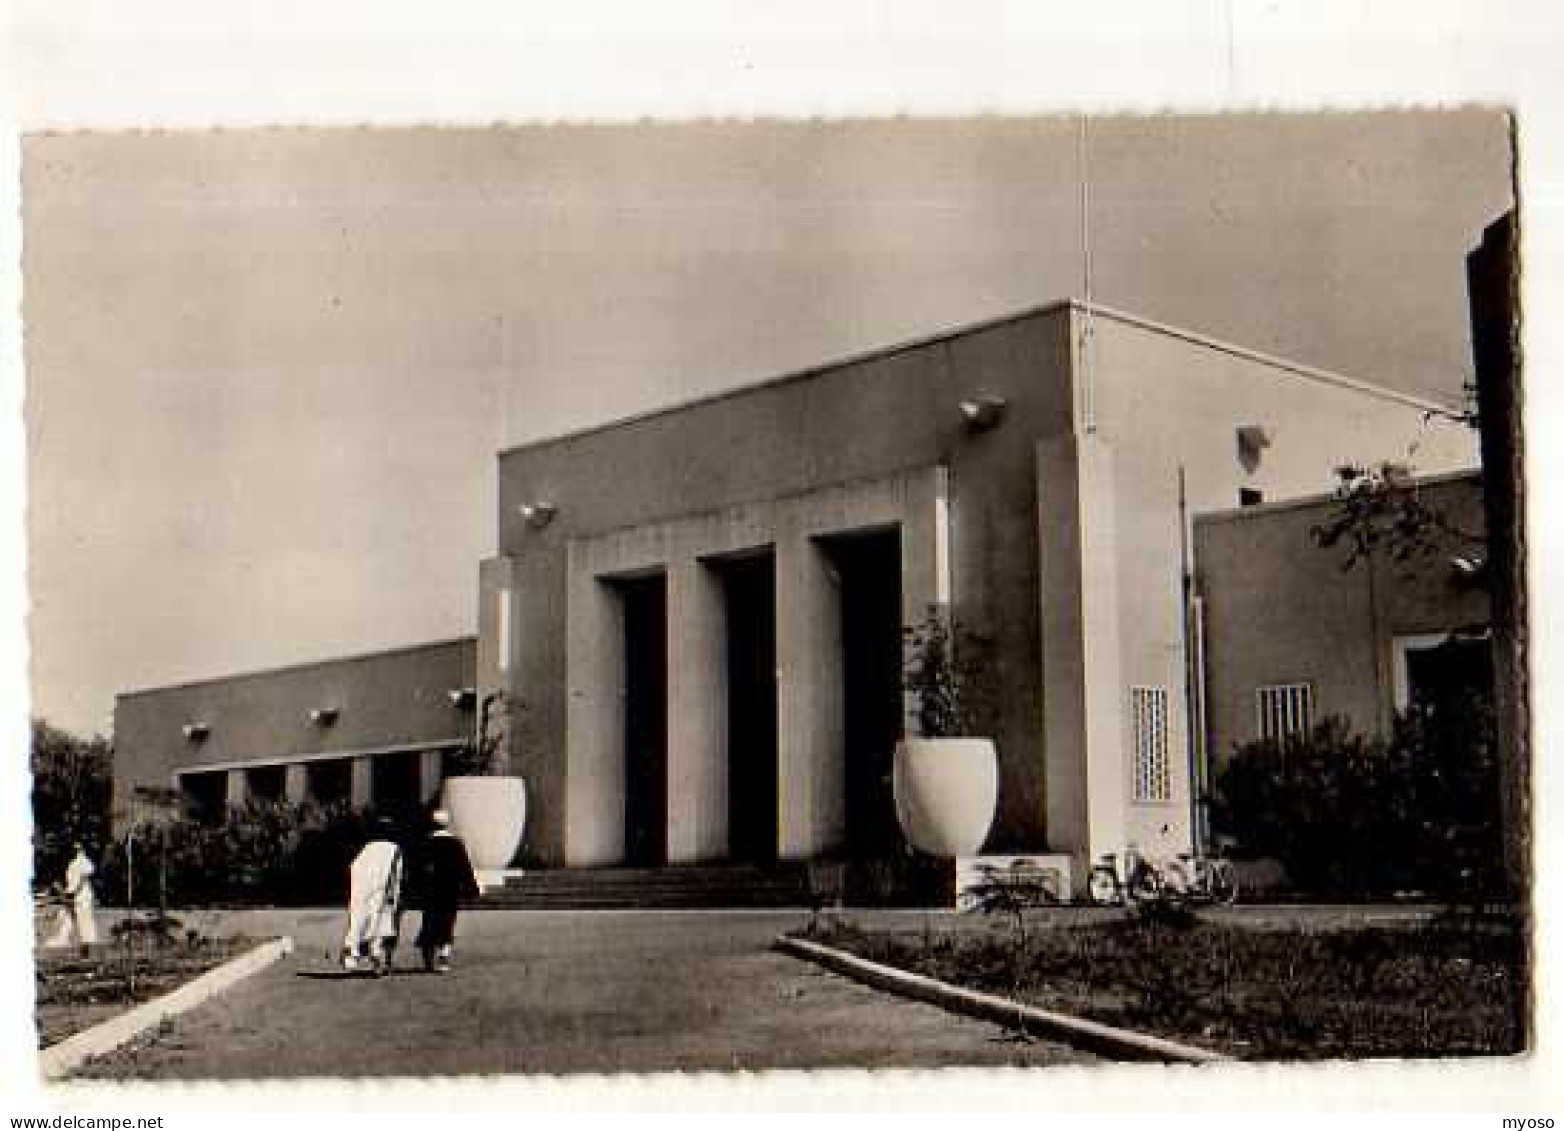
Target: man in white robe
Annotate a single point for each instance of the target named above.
(375, 888)
(82, 904)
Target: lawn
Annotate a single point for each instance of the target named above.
(75, 991)
(1438, 989)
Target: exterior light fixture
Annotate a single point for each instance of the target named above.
(324, 716)
(1253, 439)
(462, 698)
(537, 515)
(1470, 564)
(983, 412)
(196, 732)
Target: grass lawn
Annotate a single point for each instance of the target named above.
(76, 992)
(1257, 993)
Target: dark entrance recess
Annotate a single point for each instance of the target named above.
(393, 784)
(206, 795)
(1451, 676)
(868, 567)
(645, 605)
(749, 598)
(266, 783)
(329, 781)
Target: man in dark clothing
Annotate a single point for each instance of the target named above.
(444, 878)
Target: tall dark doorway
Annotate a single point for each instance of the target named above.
(329, 781)
(749, 588)
(393, 783)
(1451, 676)
(869, 568)
(645, 603)
(266, 784)
(206, 795)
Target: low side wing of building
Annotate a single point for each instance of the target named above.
(329, 731)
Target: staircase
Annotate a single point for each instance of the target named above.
(792, 885)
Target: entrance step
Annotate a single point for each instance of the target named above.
(792, 885)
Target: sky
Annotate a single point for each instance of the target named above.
(267, 371)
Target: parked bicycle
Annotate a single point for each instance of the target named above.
(1187, 878)
(1196, 878)
(1132, 880)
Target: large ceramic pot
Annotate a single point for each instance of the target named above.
(489, 814)
(946, 790)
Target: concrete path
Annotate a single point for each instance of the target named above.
(557, 992)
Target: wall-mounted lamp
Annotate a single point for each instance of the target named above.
(1470, 564)
(324, 716)
(462, 698)
(1253, 439)
(982, 413)
(537, 515)
(196, 732)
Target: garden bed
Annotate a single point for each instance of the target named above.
(76, 992)
(1255, 993)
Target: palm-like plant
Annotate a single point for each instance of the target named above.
(947, 672)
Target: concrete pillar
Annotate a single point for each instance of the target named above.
(1083, 686)
(595, 774)
(1107, 790)
(238, 789)
(498, 636)
(295, 783)
(811, 766)
(428, 775)
(697, 715)
(925, 567)
(361, 783)
(496, 620)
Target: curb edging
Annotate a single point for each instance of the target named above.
(60, 1059)
(1078, 1031)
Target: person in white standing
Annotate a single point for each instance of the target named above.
(374, 894)
(78, 920)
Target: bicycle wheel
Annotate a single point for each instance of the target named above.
(1102, 886)
(1224, 882)
(1145, 885)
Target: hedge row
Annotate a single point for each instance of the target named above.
(1356, 817)
(270, 853)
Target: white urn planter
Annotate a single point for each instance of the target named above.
(946, 790)
(489, 814)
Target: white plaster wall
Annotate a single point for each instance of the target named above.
(1164, 402)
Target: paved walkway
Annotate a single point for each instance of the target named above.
(556, 992)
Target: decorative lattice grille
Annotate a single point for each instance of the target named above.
(1153, 772)
(1283, 710)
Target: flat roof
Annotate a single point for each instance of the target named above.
(1302, 502)
(303, 665)
(1206, 341)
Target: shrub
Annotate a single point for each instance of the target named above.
(947, 671)
(263, 853)
(72, 784)
(1358, 817)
